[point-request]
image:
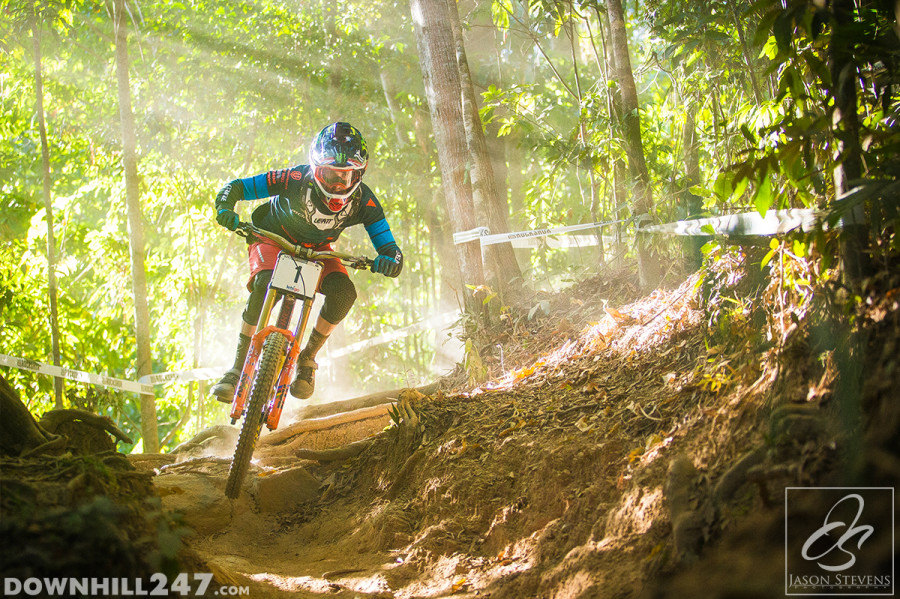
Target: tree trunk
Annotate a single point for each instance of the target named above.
(48, 206)
(450, 291)
(614, 107)
(748, 56)
(451, 286)
(390, 96)
(692, 204)
(691, 149)
(136, 230)
(848, 154)
(631, 134)
(587, 161)
(19, 431)
(492, 210)
(437, 56)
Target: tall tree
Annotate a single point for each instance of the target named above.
(440, 73)
(492, 210)
(848, 153)
(587, 159)
(48, 203)
(136, 228)
(631, 133)
(613, 100)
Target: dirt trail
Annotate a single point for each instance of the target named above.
(605, 463)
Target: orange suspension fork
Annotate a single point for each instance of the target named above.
(284, 379)
(256, 343)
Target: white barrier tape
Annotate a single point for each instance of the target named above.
(215, 372)
(470, 235)
(432, 323)
(565, 241)
(775, 222)
(74, 375)
(483, 235)
(197, 374)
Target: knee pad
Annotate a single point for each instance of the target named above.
(340, 293)
(257, 296)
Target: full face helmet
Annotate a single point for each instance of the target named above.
(338, 159)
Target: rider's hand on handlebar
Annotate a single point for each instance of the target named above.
(228, 219)
(386, 265)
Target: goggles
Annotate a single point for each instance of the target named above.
(337, 180)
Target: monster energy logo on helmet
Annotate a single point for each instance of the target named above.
(339, 144)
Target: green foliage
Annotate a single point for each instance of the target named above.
(219, 91)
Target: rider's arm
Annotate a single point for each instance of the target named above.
(385, 244)
(250, 188)
(390, 258)
(253, 188)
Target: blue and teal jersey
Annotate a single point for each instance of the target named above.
(297, 210)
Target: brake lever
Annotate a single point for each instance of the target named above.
(245, 230)
(360, 263)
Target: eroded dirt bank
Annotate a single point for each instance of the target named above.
(635, 450)
(618, 447)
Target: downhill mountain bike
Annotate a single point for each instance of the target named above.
(266, 375)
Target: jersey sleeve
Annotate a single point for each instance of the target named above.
(253, 188)
(376, 224)
(229, 195)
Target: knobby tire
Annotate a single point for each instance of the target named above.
(262, 390)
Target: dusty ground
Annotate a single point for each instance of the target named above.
(563, 476)
(621, 447)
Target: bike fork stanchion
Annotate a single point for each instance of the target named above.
(284, 381)
(248, 372)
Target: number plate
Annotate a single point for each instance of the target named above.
(296, 275)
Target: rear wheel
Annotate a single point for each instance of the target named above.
(263, 388)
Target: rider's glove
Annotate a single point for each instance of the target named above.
(228, 219)
(389, 263)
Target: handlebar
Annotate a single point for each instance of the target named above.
(248, 231)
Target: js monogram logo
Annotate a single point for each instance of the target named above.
(824, 534)
(839, 541)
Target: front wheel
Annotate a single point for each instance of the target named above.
(263, 388)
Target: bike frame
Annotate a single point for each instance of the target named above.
(264, 329)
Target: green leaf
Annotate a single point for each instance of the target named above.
(763, 198)
(818, 67)
(782, 29)
(722, 186)
(740, 186)
(764, 29)
(709, 247)
(745, 131)
(773, 245)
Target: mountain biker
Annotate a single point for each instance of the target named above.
(310, 205)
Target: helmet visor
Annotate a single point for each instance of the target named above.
(338, 180)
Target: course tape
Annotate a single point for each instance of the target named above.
(215, 372)
(562, 241)
(435, 322)
(197, 374)
(483, 234)
(74, 375)
(775, 222)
